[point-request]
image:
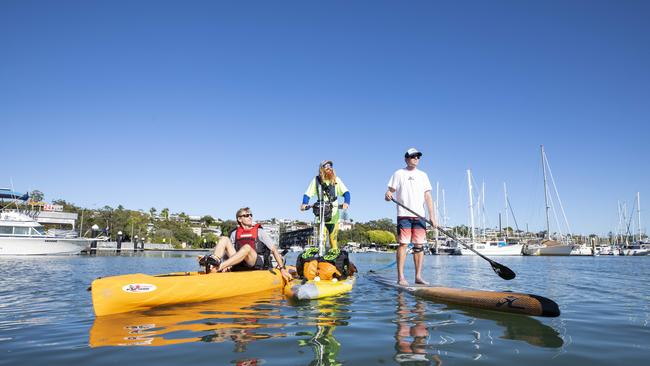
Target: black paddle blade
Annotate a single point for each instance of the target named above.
(503, 271)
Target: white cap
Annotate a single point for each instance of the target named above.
(411, 152)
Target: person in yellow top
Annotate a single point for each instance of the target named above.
(327, 187)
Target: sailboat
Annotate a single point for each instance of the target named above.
(639, 248)
(487, 247)
(548, 246)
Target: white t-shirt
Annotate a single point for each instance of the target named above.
(410, 186)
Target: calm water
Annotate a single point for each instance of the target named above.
(46, 317)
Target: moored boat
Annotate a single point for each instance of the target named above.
(636, 250)
(493, 248)
(585, 250)
(548, 247)
(20, 234)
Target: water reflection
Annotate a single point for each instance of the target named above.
(326, 315)
(518, 327)
(240, 320)
(412, 335)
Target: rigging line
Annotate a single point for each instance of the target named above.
(513, 213)
(480, 206)
(557, 194)
(629, 223)
(555, 216)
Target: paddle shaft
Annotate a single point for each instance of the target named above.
(493, 263)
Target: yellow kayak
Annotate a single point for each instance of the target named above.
(310, 290)
(120, 294)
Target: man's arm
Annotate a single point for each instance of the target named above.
(265, 238)
(432, 213)
(389, 194)
(309, 193)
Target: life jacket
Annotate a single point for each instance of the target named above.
(329, 190)
(248, 237)
(326, 197)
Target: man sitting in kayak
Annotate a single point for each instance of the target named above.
(248, 248)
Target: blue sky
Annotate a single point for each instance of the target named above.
(204, 107)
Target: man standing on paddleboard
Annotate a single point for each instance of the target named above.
(412, 188)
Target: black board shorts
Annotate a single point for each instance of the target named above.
(243, 266)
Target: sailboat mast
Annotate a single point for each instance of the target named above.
(638, 210)
(505, 195)
(482, 212)
(437, 213)
(471, 203)
(548, 226)
(444, 209)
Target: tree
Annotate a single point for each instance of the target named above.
(210, 240)
(381, 237)
(36, 195)
(228, 226)
(207, 220)
(165, 213)
(385, 224)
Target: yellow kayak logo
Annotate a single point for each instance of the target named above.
(139, 288)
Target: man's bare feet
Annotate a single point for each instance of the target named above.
(420, 281)
(402, 282)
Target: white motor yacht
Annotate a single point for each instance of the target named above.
(20, 234)
(636, 249)
(493, 248)
(585, 250)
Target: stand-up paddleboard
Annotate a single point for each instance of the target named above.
(509, 302)
(120, 294)
(311, 289)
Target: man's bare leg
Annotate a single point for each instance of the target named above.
(246, 253)
(400, 257)
(224, 246)
(418, 260)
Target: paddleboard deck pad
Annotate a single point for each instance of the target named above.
(509, 302)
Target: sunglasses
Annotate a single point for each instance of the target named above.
(246, 215)
(414, 157)
(327, 166)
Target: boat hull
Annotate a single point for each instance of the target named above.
(635, 252)
(555, 248)
(41, 246)
(125, 293)
(509, 302)
(514, 249)
(310, 290)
